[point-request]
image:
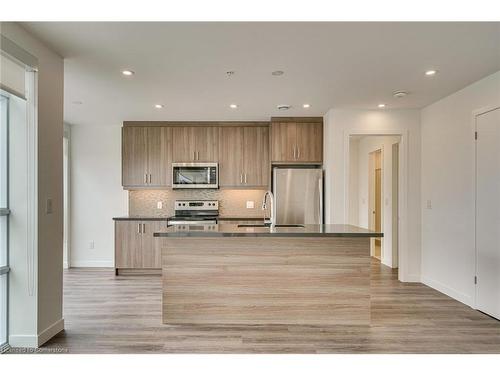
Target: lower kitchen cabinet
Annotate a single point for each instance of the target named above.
(136, 250)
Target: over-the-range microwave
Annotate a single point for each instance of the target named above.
(195, 176)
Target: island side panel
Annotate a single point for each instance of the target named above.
(311, 280)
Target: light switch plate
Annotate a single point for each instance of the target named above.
(250, 204)
(159, 205)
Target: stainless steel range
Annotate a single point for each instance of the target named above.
(195, 212)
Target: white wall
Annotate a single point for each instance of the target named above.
(359, 191)
(49, 284)
(448, 253)
(96, 194)
(337, 124)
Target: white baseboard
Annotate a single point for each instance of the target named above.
(35, 341)
(450, 292)
(93, 263)
(50, 332)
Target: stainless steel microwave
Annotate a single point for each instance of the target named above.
(195, 175)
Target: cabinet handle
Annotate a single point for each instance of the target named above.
(298, 153)
(145, 178)
(143, 228)
(245, 178)
(198, 157)
(241, 178)
(150, 178)
(294, 153)
(139, 228)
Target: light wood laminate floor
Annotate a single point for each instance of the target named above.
(108, 314)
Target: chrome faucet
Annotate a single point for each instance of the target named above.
(269, 194)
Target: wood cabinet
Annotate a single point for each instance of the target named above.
(135, 246)
(244, 156)
(195, 143)
(146, 156)
(297, 140)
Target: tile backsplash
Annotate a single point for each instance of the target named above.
(232, 203)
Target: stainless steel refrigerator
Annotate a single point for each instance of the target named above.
(298, 194)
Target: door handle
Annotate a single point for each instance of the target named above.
(241, 178)
(143, 228)
(298, 152)
(245, 178)
(198, 157)
(139, 228)
(145, 178)
(150, 178)
(194, 155)
(294, 153)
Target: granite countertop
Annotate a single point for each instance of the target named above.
(233, 230)
(141, 218)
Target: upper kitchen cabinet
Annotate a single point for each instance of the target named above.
(195, 143)
(256, 166)
(146, 156)
(244, 156)
(297, 140)
(230, 156)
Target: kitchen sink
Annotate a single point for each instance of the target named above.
(268, 225)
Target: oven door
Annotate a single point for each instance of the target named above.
(195, 176)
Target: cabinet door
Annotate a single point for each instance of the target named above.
(206, 140)
(283, 139)
(151, 246)
(256, 156)
(230, 156)
(183, 146)
(309, 142)
(128, 244)
(159, 156)
(134, 156)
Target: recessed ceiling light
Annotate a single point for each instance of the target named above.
(283, 107)
(230, 73)
(431, 72)
(128, 72)
(381, 105)
(158, 106)
(233, 106)
(278, 73)
(306, 105)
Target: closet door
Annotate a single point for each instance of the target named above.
(488, 213)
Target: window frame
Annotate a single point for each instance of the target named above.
(5, 212)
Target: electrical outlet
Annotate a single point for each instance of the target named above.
(48, 206)
(429, 204)
(250, 204)
(159, 205)
(91, 245)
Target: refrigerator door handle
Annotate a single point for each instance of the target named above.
(320, 183)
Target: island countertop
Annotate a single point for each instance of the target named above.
(233, 230)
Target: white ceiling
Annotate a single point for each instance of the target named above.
(183, 66)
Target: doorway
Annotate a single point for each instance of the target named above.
(66, 197)
(375, 201)
(487, 277)
(373, 192)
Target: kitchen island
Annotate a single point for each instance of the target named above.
(234, 274)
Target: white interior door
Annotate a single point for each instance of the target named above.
(488, 213)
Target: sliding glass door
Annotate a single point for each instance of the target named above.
(4, 217)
